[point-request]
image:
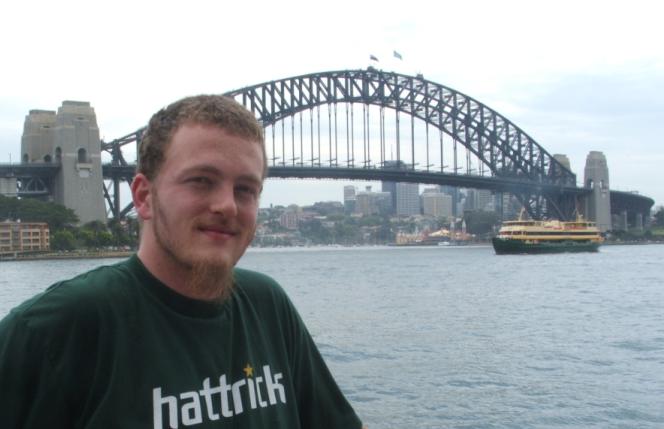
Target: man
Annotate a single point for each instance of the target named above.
(175, 336)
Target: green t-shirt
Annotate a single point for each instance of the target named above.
(114, 348)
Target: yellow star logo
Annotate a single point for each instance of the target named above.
(248, 371)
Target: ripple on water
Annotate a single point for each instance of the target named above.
(463, 338)
(638, 345)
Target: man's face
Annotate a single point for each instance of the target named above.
(205, 198)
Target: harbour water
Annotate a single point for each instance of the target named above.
(457, 337)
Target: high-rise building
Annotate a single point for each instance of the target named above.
(453, 191)
(436, 204)
(349, 199)
(511, 207)
(370, 203)
(479, 199)
(390, 188)
(349, 192)
(408, 199)
(401, 196)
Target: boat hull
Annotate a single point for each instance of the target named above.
(504, 246)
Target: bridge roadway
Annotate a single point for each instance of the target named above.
(620, 201)
(372, 173)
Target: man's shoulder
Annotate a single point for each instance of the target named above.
(245, 276)
(258, 286)
(76, 298)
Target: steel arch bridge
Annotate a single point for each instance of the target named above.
(483, 148)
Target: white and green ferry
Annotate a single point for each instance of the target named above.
(547, 236)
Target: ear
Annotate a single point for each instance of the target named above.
(141, 194)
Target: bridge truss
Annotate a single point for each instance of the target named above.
(377, 125)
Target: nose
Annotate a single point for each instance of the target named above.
(223, 201)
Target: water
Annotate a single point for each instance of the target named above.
(462, 338)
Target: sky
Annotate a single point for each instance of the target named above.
(577, 76)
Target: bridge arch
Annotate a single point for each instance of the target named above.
(516, 162)
(507, 151)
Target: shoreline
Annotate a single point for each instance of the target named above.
(127, 253)
(67, 255)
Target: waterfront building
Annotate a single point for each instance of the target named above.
(289, 218)
(23, 237)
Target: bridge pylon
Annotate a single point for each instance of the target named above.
(598, 203)
(69, 138)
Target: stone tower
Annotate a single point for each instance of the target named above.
(563, 159)
(69, 137)
(598, 203)
(38, 136)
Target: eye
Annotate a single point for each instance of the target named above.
(200, 181)
(246, 191)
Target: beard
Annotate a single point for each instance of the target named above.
(210, 281)
(207, 279)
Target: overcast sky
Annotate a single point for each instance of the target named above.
(575, 75)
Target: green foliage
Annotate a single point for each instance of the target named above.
(31, 210)
(275, 226)
(659, 217)
(372, 220)
(94, 235)
(63, 240)
(314, 231)
(95, 226)
(86, 237)
(124, 234)
(346, 232)
(384, 233)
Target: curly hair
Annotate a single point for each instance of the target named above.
(217, 110)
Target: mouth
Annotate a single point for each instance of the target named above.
(217, 232)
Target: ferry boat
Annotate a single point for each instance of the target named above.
(547, 236)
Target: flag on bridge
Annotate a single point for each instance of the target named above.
(373, 58)
(398, 55)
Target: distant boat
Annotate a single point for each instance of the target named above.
(547, 236)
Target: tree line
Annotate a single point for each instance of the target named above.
(63, 225)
